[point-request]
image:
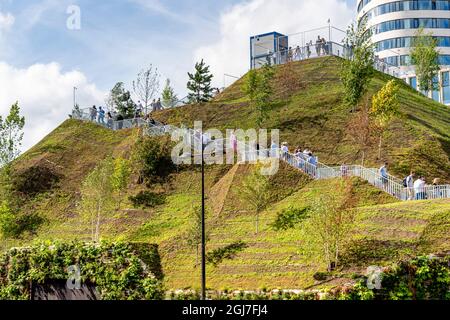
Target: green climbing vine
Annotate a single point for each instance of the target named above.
(115, 269)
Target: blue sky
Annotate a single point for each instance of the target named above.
(119, 37)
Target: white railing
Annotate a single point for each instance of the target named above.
(320, 50)
(312, 167)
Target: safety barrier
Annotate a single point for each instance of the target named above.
(310, 166)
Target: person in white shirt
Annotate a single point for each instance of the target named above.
(419, 188)
(410, 186)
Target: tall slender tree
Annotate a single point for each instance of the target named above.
(147, 85)
(255, 191)
(258, 89)
(11, 135)
(97, 196)
(425, 58)
(385, 106)
(121, 100)
(357, 72)
(169, 98)
(199, 84)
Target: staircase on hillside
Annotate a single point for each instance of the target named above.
(320, 171)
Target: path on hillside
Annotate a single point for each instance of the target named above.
(319, 171)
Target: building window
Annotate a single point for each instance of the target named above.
(407, 6)
(413, 82)
(446, 86)
(415, 23)
(436, 93)
(406, 42)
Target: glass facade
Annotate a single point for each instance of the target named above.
(407, 6)
(413, 82)
(362, 4)
(436, 94)
(429, 23)
(446, 87)
(406, 42)
(442, 82)
(405, 60)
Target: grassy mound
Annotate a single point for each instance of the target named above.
(312, 115)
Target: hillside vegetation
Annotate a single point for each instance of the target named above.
(311, 113)
(49, 177)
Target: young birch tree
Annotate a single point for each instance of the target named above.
(329, 228)
(385, 107)
(169, 98)
(97, 196)
(147, 85)
(357, 72)
(255, 191)
(425, 58)
(120, 178)
(11, 135)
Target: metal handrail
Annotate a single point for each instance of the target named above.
(314, 169)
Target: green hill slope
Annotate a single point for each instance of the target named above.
(313, 116)
(50, 176)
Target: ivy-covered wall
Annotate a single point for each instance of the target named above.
(120, 271)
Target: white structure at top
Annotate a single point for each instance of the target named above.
(395, 23)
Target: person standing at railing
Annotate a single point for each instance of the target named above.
(93, 113)
(312, 164)
(153, 105)
(409, 184)
(298, 54)
(308, 49)
(383, 171)
(306, 152)
(344, 170)
(109, 120)
(318, 46)
(274, 152)
(233, 142)
(290, 56)
(419, 188)
(324, 46)
(284, 151)
(101, 116)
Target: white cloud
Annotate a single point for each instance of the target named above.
(6, 21)
(230, 53)
(45, 96)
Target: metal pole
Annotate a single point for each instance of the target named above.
(329, 30)
(203, 226)
(74, 100)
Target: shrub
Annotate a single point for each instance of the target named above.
(147, 199)
(153, 157)
(14, 224)
(288, 218)
(114, 268)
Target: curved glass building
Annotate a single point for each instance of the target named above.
(394, 24)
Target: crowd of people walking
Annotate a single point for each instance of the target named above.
(416, 186)
(321, 47)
